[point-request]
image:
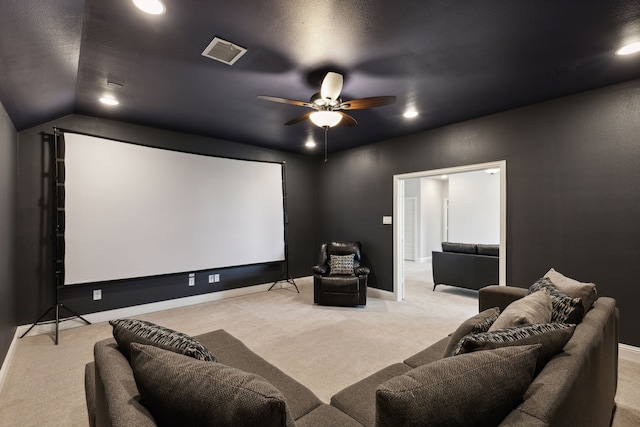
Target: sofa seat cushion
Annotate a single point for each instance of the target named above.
(430, 354)
(327, 416)
(232, 352)
(358, 400)
(180, 390)
(128, 331)
(477, 389)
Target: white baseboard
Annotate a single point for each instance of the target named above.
(136, 310)
(629, 352)
(4, 370)
(380, 294)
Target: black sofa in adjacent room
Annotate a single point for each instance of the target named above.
(466, 265)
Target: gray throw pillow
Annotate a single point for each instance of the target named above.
(585, 291)
(533, 308)
(341, 264)
(128, 331)
(565, 308)
(476, 389)
(179, 390)
(552, 336)
(481, 322)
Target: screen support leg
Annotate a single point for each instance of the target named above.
(56, 307)
(288, 279)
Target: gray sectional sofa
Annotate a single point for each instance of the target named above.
(576, 387)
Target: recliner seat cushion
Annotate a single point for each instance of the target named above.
(340, 284)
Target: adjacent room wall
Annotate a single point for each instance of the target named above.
(35, 290)
(573, 168)
(474, 207)
(8, 185)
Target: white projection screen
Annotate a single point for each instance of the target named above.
(133, 211)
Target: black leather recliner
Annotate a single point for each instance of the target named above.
(346, 283)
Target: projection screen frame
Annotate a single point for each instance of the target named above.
(58, 188)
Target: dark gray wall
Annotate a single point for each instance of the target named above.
(8, 160)
(573, 190)
(35, 292)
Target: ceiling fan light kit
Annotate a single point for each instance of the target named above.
(325, 118)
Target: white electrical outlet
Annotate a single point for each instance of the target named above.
(211, 278)
(97, 294)
(216, 278)
(387, 220)
(192, 279)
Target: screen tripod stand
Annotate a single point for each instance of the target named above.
(57, 164)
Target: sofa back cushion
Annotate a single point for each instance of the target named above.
(475, 389)
(179, 390)
(461, 248)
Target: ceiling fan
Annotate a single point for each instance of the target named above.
(329, 107)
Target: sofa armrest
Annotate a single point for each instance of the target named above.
(499, 296)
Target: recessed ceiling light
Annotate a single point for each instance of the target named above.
(109, 100)
(410, 114)
(310, 143)
(629, 49)
(152, 7)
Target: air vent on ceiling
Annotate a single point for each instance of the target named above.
(223, 51)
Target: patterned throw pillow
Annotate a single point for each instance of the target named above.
(565, 309)
(127, 331)
(552, 337)
(341, 264)
(481, 322)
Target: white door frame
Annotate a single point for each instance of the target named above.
(398, 213)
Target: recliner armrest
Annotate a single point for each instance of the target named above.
(499, 296)
(361, 271)
(322, 269)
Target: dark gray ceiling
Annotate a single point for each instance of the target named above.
(454, 60)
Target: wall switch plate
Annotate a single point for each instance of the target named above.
(211, 278)
(387, 220)
(97, 294)
(192, 279)
(216, 278)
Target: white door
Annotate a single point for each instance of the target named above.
(410, 229)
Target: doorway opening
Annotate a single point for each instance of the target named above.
(399, 233)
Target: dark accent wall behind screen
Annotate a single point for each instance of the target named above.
(34, 249)
(8, 188)
(573, 190)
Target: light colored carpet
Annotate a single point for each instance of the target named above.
(325, 348)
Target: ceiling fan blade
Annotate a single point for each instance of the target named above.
(285, 101)
(347, 120)
(299, 119)
(359, 104)
(331, 86)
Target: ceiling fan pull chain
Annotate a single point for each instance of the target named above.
(326, 132)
